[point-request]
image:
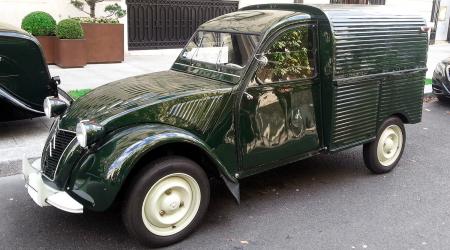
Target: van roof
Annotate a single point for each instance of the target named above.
(266, 16)
(359, 40)
(260, 20)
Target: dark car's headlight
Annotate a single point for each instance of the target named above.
(88, 132)
(54, 106)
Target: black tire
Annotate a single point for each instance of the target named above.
(371, 158)
(443, 99)
(142, 183)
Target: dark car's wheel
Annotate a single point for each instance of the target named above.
(383, 154)
(166, 201)
(442, 98)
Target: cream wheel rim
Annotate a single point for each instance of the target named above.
(390, 145)
(171, 204)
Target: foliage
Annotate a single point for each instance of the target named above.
(115, 10)
(79, 4)
(75, 94)
(288, 56)
(112, 9)
(105, 20)
(69, 29)
(39, 23)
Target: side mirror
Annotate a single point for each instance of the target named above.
(262, 60)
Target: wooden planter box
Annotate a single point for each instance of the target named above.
(48, 46)
(104, 42)
(70, 53)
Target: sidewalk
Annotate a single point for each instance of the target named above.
(95, 75)
(27, 137)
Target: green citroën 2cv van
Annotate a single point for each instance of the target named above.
(252, 90)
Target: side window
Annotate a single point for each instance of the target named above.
(290, 57)
(7, 68)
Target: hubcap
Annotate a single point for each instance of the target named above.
(171, 204)
(390, 145)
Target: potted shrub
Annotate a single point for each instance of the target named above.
(105, 35)
(70, 49)
(42, 25)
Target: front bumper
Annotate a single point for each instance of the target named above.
(43, 194)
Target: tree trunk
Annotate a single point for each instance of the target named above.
(92, 10)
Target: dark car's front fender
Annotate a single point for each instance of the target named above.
(100, 175)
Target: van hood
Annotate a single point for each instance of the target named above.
(156, 97)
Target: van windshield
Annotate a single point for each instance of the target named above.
(221, 49)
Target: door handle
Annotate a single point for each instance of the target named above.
(248, 96)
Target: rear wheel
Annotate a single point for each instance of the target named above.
(167, 201)
(383, 154)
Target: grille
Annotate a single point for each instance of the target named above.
(57, 142)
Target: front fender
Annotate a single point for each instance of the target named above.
(101, 174)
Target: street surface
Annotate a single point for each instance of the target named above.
(326, 202)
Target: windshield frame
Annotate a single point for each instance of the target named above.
(215, 71)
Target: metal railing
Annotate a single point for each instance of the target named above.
(155, 24)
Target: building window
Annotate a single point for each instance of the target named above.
(371, 2)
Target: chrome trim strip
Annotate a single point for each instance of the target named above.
(209, 70)
(70, 131)
(17, 102)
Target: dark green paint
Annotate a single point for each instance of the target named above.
(360, 80)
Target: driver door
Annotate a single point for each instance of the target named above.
(277, 120)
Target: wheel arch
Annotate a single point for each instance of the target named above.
(105, 173)
(401, 116)
(190, 150)
(176, 148)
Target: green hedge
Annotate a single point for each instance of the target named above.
(39, 23)
(69, 29)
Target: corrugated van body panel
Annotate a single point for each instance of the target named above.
(355, 111)
(379, 62)
(375, 43)
(402, 94)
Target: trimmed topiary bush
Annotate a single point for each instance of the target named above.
(39, 23)
(69, 29)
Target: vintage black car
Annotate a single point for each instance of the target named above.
(252, 90)
(441, 80)
(24, 77)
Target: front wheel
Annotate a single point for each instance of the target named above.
(383, 154)
(167, 201)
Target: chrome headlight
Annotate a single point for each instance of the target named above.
(54, 106)
(88, 132)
